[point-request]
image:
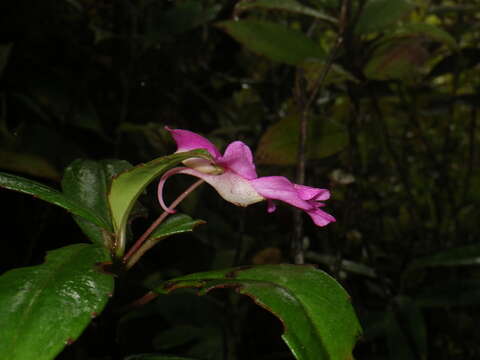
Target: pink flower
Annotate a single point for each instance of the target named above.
(234, 177)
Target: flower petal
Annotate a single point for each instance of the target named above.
(280, 188)
(230, 186)
(187, 140)
(320, 217)
(311, 193)
(271, 207)
(300, 196)
(238, 158)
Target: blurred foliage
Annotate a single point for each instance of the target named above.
(393, 132)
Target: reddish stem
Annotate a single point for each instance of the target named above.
(134, 249)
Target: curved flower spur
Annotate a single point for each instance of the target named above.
(234, 177)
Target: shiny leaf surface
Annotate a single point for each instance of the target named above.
(46, 193)
(86, 182)
(176, 224)
(318, 318)
(46, 307)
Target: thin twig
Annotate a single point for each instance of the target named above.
(300, 96)
(304, 102)
(471, 157)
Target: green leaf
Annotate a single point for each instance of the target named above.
(127, 187)
(279, 144)
(287, 5)
(428, 31)
(86, 182)
(402, 53)
(336, 74)
(45, 307)
(460, 256)
(27, 186)
(176, 224)
(445, 10)
(274, 41)
(397, 59)
(185, 16)
(319, 321)
(378, 14)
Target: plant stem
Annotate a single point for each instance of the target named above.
(137, 250)
(304, 103)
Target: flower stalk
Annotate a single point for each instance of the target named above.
(143, 244)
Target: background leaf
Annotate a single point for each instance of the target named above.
(279, 144)
(185, 16)
(319, 321)
(406, 331)
(287, 5)
(427, 31)
(456, 293)
(397, 59)
(46, 307)
(274, 41)
(460, 256)
(378, 14)
(26, 163)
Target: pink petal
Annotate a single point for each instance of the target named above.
(187, 140)
(311, 193)
(238, 158)
(320, 217)
(280, 188)
(271, 207)
(230, 186)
